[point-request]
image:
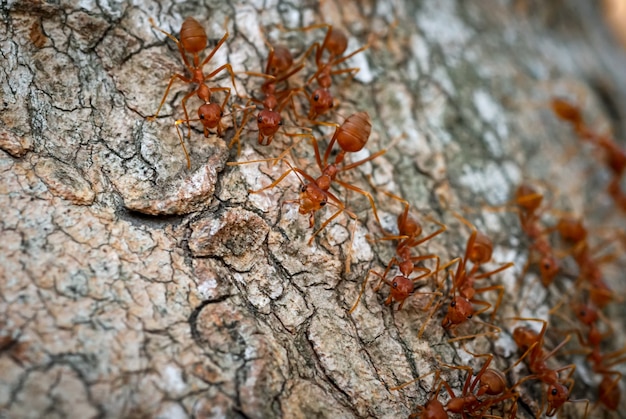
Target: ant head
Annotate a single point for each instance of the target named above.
(459, 310)
(557, 396)
(281, 61)
(549, 268)
(210, 115)
(401, 288)
(321, 101)
(336, 42)
(312, 198)
(481, 250)
(269, 122)
(586, 314)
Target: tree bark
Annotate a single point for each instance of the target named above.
(133, 287)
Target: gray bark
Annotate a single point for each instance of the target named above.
(133, 287)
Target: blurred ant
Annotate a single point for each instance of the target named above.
(532, 345)
(609, 393)
(614, 155)
(528, 200)
(193, 40)
(572, 230)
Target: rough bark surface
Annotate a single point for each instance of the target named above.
(133, 287)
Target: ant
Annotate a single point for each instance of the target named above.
(572, 230)
(568, 112)
(490, 383)
(193, 40)
(609, 393)
(410, 230)
(529, 202)
(614, 155)
(478, 250)
(531, 343)
(279, 68)
(315, 193)
(335, 43)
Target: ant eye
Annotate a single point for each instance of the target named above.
(453, 304)
(395, 284)
(260, 119)
(303, 188)
(280, 122)
(554, 392)
(201, 116)
(470, 316)
(322, 203)
(221, 114)
(316, 97)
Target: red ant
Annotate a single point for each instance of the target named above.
(193, 40)
(529, 201)
(614, 155)
(609, 393)
(410, 230)
(335, 43)
(490, 382)
(572, 230)
(478, 250)
(531, 343)
(352, 136)
(278, 69)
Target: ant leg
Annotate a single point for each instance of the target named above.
(475, 335)
(325, 223)
(277, 181)
(214, 50)
(237, 135)
(293, 143)
(178, 44)
(182, 143)
(362, 192)
(384, 275)
(408, 383)
(221, 68)
(358, 300)
(184, 104)
(167, 91)
(430, 236)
